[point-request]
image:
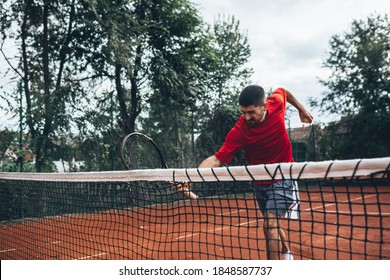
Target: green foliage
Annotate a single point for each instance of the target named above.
(229, 73)
(180, 112)
(7, 137)
(360, 65)
(356, 137)
(358, 91)
(94, 71)
(227, 76)
(215, 129)
(14, 167)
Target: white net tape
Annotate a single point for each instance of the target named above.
(299, 170)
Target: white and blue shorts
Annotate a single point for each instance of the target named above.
(280, 198)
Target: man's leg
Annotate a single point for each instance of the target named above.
(275, 238)
(272, 236)
(276, 198)
(286, 253)
(285, 247)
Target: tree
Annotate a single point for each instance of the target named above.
(68, 48)
(7, 139)
(358, 90)
(180, 111)
(152, 59)
(45, 62)
(214, 131)
(154, 55)
(229, 74)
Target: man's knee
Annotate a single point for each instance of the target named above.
(270, 221)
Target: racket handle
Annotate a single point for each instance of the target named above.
(191, 195)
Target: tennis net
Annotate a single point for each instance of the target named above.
(344, 213)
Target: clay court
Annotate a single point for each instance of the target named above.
(356, 227)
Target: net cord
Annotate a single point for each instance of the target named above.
(295, 171)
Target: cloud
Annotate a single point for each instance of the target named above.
(289, 38)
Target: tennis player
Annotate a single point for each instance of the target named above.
(261, 133)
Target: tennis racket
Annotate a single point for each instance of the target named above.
(139, 151)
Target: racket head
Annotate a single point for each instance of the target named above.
(139, 151)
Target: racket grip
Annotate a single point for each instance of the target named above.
(191, 195)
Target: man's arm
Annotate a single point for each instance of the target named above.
(211, 162)
(304, 115)
(183, 188)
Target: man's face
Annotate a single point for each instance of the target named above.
(252, 114)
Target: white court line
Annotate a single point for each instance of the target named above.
(92, 256)
(360, 213)
(57, 242)
(218, 229)
(214, 230)
(331, 204)
(228, 212)
(307, 209)
(8, 250)
(15, 249)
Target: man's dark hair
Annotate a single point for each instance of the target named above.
(252, 95)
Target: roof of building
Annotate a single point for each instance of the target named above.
(299, 134)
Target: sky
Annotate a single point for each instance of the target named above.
(289, 39)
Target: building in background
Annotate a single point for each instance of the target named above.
(304, 142)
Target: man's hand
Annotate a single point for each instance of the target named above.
(184, 189)
(305, 116)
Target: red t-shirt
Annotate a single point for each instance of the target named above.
(264, 144)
